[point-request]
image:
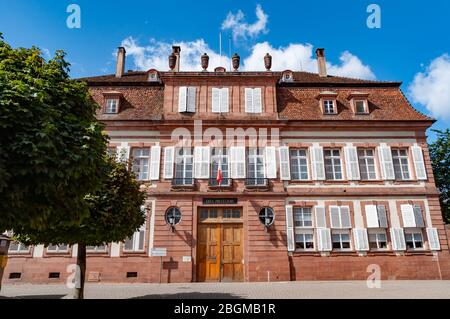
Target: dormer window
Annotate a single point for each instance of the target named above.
(359, 103)
(112, 102)
(329, 107)
(360, 106)
(153, 75)
(112, 106)
(287, 76)
(328, 102)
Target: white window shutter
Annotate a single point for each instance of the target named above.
(237, 160)
(271, 162)
(398, 239)
(216, 100)
(182, 99)
(372, 216)
(408, 215)
(334, 217)
(198, 162)
(285, 167)
(433, 239)
(351, 161)
(387, 166)
(248, 100)
(418, 218)
(201, 162)
(321, 221)
(155, 162)
(123, 153)
(290, 228)
(224, 100)
(324, 239)
(361, 239)
(419, 163)
(257, 100)
(191, 99)
(169, 158)
(318, 164)
(382, 216)
(345, 217)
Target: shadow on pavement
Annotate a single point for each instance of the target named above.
(191, 295)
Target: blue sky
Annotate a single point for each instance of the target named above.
(413, 37)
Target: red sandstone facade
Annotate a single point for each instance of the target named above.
(336, 216)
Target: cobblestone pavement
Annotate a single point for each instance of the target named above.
(282, 290)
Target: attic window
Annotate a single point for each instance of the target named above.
(329, 106)
(287, 77)
(360, 106)
(359, 102)
(112, 106)
(153, 76)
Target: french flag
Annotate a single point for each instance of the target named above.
(219, 177)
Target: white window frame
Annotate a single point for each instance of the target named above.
(20, 248)
(376, 232)
(112, 106)
(363, 160)
(333, 159)
(303, 232)
(341, 232)
(295, 160)
(396, 156)
(58, 250)
(413, 232)
(326, 106)
(97, 249)
(365, 105)
(253, 155)
(183, 160)
(302, 211)
(135, 239)
(139, 165)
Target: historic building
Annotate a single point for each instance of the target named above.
(262, 176)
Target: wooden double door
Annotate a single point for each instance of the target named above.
(220, 247)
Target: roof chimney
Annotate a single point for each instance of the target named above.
(320, 53)
(120, 66)
(176, 50)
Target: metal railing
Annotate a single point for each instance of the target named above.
(257, 182)
(183, 181)
(225, 182)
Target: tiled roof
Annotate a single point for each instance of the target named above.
(387, 104)
(137, 103)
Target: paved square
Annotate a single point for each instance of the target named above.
(282, 290)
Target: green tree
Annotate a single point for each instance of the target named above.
(57, 185)
(115, 214)
(51, 145)
(440, 159)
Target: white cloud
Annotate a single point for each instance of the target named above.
(156, 54)
(241, 29)
(295, 56)
(431, 88)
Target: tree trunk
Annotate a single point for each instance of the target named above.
(81, 268)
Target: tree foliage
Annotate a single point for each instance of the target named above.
(440, 158)
(50, 141)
